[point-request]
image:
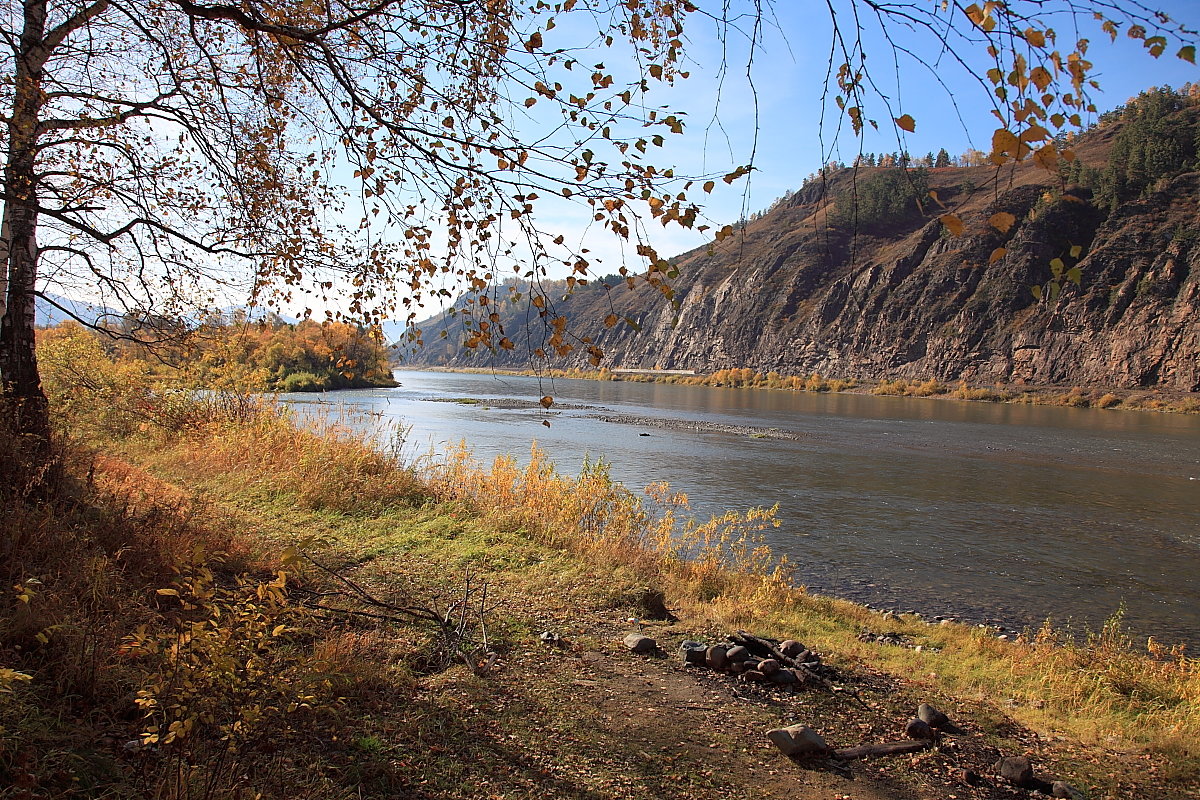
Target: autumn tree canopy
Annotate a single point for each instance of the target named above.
(387, 150)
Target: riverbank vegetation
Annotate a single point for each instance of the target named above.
(209, 600)
(234, 353)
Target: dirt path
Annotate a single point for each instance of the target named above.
(632, 725)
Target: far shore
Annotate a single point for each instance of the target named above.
(1098, 397)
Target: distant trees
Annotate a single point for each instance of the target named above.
(233, 353)
(1159, 137)
(884, 199)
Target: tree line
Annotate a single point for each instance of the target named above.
(230, 351)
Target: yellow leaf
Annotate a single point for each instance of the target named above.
(1047, 158)
(546, 422)
(1057, 266)
(278, 629)
(169, 592)
(1004, 143)
(709, 185)
(952, 223)
(996, 255)
(1036, 291)
(547, 401)
(1076, 250)
(610, 320)
(1188, 53)
(534, 41)
(906, 123)
(1002, 221)
(1040, 77)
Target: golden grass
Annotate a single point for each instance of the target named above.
(99, 553)
(719, 572)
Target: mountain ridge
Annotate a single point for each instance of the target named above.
(807, 287)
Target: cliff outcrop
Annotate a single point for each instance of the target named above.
(806, 288)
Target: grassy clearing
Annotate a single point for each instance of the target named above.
(159, 637)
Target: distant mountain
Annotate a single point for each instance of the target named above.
(55, 309)
(848, 278)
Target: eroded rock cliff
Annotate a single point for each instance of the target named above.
(796, 293)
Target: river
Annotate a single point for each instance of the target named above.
(985, 512)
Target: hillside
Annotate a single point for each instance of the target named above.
(886, 292)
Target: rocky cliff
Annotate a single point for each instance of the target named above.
(808, 288)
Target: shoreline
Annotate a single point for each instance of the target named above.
(1100, 398)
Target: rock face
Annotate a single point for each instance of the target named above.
(792, 294)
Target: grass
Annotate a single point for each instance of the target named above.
(156, 643)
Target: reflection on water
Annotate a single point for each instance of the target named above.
(1005, 512)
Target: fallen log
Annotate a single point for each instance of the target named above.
(887, 749)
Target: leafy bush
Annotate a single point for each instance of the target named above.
(304, 382)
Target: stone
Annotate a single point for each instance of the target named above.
(753, 675)
(717, 657)
(637, 643)
(930, 715)
(769, 666)
(737, 653)
(804, 656)
(783, 677)
(791, 648)
(798, 741)
(1017, 770)
(1065, 790)
(918, 729)
(970, 777)
(694, 654)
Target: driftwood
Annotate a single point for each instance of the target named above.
(887, 749)
(762, 647)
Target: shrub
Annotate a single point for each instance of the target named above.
(304, 382)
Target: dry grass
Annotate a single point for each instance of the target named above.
(87, 623)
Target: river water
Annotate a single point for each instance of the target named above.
(1005, 513)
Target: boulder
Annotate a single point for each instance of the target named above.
(798, 741)
(769, 667)
(930, 715)
(918, 729)
(694, 653)
(737, 653)
(717, 657)
(791, 648)
(970, 777)
(1065, 790)
(637, 643)
(1016, 770)
(783, 677)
